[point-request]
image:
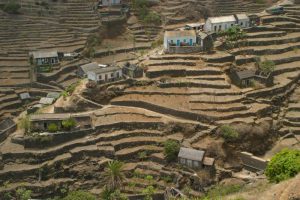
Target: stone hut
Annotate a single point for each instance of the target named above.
(195, 158)
(132, 70)
(245, 78)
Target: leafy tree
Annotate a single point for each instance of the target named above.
(114, 175)
(25, 124)
(171, 150)
(267, 66)
(152, 18)
(148, 192)
(12, 7)
(232, 35)
(283, 165)
(23, 194)
(69, 123)
(79, 195)
(52, 128)
(229, 133)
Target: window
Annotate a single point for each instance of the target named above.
(241, 23)
(225, 26)
(112, 75)
(220, 27)
(215, 28)
(184, 40)
(99, 77)
(231, 24)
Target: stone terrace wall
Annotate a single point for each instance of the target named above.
(184, 50)
(6, 127)
(253, 163)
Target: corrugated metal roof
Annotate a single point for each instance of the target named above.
(222, 19)
(181, 33)
(191, 154)
(44, 54)
(25, 95)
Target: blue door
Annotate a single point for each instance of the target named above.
(191, 42)
(178, 43)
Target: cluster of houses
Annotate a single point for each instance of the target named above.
(199, 36)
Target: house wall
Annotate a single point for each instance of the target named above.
(244, 23)
(177, 40)
(210, 27)
(183, 49)
(46, 61)
(105, 77)
(190, 163)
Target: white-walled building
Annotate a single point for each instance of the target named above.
(180, 38)
(110, 2)
(104, 74)
(215, 24)
(242, 20)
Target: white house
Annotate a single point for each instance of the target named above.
(242, 20)
(215, 24)
(180, 38)
(110, 2)
(44, 57)
(104, 74)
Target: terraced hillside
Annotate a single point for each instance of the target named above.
(120, 133)
(179, 12)
(63, 26)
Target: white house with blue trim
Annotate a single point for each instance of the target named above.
(180, 38)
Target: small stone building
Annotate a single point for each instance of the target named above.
(245, 78)
(40, 122)
(132, 70)
(40, 58)
(194, 158)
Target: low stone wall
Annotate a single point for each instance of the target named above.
(157, 196)
(164, 110)
(184, 50)
(54, 139)
(6, 127)
(253, 163)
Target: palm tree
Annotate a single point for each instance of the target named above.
(114, 175)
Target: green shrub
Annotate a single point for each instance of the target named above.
(79, 195)
(229, 133)
(23, 194)
(52, 128)
(25, 124)
(69, 123)
(283, 165)
(171, 150)
(152, 18)
(12, 7)
(267, 66)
